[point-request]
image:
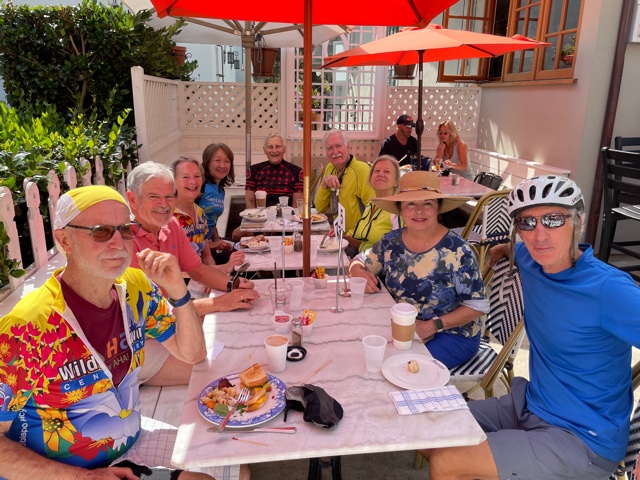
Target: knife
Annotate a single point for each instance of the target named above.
(263, 430)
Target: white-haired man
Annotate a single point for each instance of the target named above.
(71, 352)
(582, 316)
(345, 180)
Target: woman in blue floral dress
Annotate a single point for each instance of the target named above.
(430, 267)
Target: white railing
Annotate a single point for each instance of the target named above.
(41, 255)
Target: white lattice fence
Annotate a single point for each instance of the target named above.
(210, 105)
(161, 105)
(458, 104)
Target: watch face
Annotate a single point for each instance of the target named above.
(438, 324)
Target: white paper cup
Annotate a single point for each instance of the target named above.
(284, 201)
(296, 292)
(276, 347)
(357, 286)
(374, 346)
(261, 199)
(403, 325)
(275, 244)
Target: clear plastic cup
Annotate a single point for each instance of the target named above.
(275, 244)
(374, 347)
(296, 292)
(280, 298)
(271, 214)
(284, 201)
(357, 286)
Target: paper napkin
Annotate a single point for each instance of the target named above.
(213, 352)
(443, 399)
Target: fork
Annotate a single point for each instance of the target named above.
(242, 398)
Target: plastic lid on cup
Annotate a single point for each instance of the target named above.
(404, 309)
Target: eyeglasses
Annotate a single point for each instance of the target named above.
(415, 189)
(550, 220)
(103, 233)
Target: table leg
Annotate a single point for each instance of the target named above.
(317, 464)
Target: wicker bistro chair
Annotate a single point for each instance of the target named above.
(504, 322)
(488, 224)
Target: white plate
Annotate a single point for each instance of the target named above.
(332, 246)
(432, 373)
(249, 212)
(320, 217)
(273, 406)
(261, 247)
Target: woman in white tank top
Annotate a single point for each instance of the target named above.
(452, 151)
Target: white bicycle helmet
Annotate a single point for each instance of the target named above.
(545, 190)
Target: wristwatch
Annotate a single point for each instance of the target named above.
(437, 323)
(233, 283)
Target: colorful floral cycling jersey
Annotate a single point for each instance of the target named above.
(55, 387)
(196, 229)
(436, 281)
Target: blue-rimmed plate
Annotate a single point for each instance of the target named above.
(273, 406)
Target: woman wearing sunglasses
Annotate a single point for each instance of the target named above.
(452, 152)
(430, 267)
(570, 419)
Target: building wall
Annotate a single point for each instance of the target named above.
(559, 125)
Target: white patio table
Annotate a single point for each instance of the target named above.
(466, 187)
(371, 422)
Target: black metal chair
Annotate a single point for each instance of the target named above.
(489, 179)
(621, 202)
(628, 144)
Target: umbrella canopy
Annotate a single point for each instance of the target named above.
(309, 12)
(245, 34)
(324, 12)
(430, 44)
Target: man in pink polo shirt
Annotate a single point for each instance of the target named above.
(151, 195)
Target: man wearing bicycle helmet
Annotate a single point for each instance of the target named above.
(582, 316)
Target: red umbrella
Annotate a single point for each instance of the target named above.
(309, 12)
(325, 12)
(430, 44)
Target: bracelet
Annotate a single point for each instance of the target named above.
(180, 302)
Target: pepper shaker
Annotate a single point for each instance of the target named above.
(296, 332)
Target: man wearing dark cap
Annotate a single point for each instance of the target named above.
(401, 144)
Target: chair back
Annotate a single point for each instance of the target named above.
(489, 179)
(506, 300)
(497, 217)
(627, 465)
(628, 144)
(621, 178)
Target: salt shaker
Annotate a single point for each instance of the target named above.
(297, 241)
(296, 332)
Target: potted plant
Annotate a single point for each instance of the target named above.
(568, 52)
(316, 103)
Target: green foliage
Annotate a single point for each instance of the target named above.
(79, 58)
(8, 266)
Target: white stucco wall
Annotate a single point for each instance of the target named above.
(560, 125)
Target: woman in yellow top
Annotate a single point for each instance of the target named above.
(384, 178)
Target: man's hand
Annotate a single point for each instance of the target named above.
(358, 270)
(236, 259)
(245, 284)
(497, 252)
(331, 182)
(237, 299)
(164, 270)
(220, 244)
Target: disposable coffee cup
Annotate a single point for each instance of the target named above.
(261, 199)
(276, 347)
(403, 325)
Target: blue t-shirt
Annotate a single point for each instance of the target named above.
(581, 323)
(436, 281)
(212, 202)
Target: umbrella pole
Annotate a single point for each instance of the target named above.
(306, 138)
(247, 43)
(419, 122)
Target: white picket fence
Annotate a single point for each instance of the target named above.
(42, 256)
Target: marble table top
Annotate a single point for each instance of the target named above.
(276, 227)
(371, 422)
(293, 260)
(466, 187)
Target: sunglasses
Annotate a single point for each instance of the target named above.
(550, 220)
(103, 233)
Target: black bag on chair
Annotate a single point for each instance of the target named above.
(318, 406)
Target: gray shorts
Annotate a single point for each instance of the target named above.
(154, 357)
(526, 447)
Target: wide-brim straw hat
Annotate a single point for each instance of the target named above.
(416, 186)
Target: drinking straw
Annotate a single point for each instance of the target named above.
(275, 277)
